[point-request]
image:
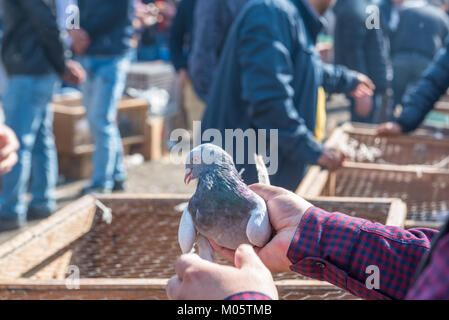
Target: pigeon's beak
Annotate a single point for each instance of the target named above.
(188, 176)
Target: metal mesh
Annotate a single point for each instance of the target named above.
(401, 151)
(426, 195)
(376, 212)
(141, 242)
(144, 245)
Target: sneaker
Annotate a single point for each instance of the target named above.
(10, 224)
(120, 186)
(38, 214)
(94, 190)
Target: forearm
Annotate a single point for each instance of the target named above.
(338, 248)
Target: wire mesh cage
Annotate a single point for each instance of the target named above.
(425, 191)
(128, 257)
(361, 144)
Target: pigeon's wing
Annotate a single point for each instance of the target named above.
(258, 229)
(186, 232)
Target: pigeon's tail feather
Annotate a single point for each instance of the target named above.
(262, 171)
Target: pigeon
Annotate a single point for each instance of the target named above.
(223, 208)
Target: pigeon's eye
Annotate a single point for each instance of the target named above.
(196, 159)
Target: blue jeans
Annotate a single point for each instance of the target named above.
(103, 89)
(28, 113)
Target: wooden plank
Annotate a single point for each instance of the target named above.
(28, 249)
(313, 182)
(397, 214)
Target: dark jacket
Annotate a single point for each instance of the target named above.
(31, 43)
(268, 78)
(427, 24)
(109, 25)
(181, 34)
(386, 9)
(421, 99)
(358, 47)
(213, 19)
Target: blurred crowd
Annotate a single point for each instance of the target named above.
(248, 64)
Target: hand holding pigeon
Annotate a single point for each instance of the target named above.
(223, 208)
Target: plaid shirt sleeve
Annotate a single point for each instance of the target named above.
(249, 296)
(344, 250)
(433, 284)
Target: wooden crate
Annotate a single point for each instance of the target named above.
(363, 145)
(69, 115)
(131, 258)
(425, 191)
(146, 75)
(388, 211)
(78, 165)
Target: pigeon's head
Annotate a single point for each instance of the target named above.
(206, 157)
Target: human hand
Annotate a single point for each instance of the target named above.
(331, 159)
(8, 149)
(363, 106)
(74, 73)
(198, 279)
(389, 129)
(365, 87)
(285, 210)
(80, 41)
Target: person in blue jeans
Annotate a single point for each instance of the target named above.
(34, 57)
(103, 45)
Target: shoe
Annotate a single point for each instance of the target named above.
(10, 224)
(38, 214)
(94, 190)
(120, 186)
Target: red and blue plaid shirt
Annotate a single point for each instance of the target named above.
(344, 250)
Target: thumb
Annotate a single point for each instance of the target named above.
(267, 192)
(245, 256)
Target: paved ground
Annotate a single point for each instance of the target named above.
(166, 177)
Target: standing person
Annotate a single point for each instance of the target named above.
(271, 77)
(213, 19)
(34, 57)
(419, 35)
(103, 44)
(363, 50)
